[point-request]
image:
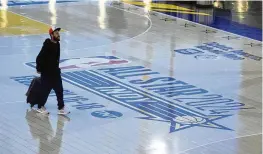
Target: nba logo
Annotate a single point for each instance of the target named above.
(87, 62)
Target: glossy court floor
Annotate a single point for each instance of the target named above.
(135, 81)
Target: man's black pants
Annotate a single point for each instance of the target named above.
(48, 83)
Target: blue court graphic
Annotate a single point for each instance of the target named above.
(106, 114)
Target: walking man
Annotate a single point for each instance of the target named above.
(48, 66)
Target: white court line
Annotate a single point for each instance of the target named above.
(33, 20)
(195, 23)
(24, 102)
(4, 103)
(219, 142)
(24, 35)
(93, 46)
(121, 40)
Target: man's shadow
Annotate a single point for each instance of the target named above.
(41, 130)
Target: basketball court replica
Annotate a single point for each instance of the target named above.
(136, 82)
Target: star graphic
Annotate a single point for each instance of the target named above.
(208, 123)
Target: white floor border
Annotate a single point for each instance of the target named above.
(233, 138)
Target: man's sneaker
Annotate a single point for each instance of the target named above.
(42, 110)
(63, 112)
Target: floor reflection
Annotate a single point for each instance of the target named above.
(41, 130)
